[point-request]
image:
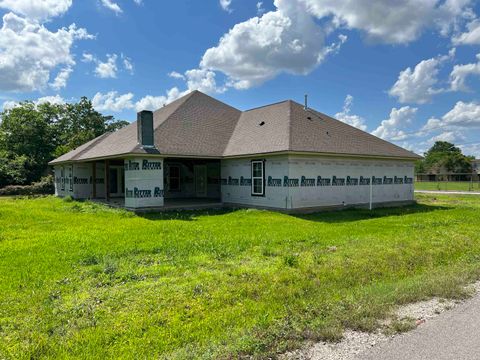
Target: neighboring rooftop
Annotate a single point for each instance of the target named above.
(199, 125)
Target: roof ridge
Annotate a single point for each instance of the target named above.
(290, 124)
(216, 100)
(263, 106)
(177, 103)
(186, 98)
(233, 132)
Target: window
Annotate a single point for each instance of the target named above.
(62, 178)
(258, 178)
(70, 176)
(174, 178)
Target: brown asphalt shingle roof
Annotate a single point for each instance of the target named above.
(199, 125)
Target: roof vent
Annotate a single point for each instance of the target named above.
(262, 123)
(145, 129)
(306, 102)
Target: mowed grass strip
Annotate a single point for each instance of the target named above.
(78, 280)
(448, 186)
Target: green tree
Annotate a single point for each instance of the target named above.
(79, 123)
(444, 157)
(13, 169)
(26, 132)
(32, 135)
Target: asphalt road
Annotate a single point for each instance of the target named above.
(453, 335)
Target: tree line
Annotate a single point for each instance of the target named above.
(444, 157)
(32, 134)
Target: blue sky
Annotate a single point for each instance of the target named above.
(404, 70)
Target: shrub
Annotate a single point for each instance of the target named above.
(43, 187)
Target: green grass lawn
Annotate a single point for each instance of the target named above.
(78, 280)
(447, 185)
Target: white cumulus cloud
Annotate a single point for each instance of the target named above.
(111, 5)
(418, 85)
(225, 5)
(256, 50)
(471, 36)
(464, 115)
(39, 10)
(348, 118)
(392, 128)
(392, 21)
(449, 136)
(460, 73)
(291, 38)
(471, 149)
(107, 69)
(52, 99)
(176, 75)
(260, 8)
(152, 103)
(112, 101)
(55, 99)
(199, 79)
(61, 79)
(29, 52)
(127, 64)
(115, 102)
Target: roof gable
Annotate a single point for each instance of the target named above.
(202, 126)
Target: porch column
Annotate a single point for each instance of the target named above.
(94, 180)
(107, 180)
(143, 183)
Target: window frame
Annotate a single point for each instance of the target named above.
(252, 163)
(179, 177)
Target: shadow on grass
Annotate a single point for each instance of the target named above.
(349, 215)
(327, 216)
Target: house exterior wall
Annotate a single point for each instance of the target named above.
(82, 181)
(291, 181)
(76, 180)
(324, 181)
(64, 180)
(144, 182)
(236, 185)
(295, 182)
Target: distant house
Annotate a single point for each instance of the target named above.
(200, 151)
(476, 166)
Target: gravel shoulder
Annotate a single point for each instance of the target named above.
(445, 329)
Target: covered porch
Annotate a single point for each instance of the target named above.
(157, 183)
(191, 182)
(143, 182)
(107, 180)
